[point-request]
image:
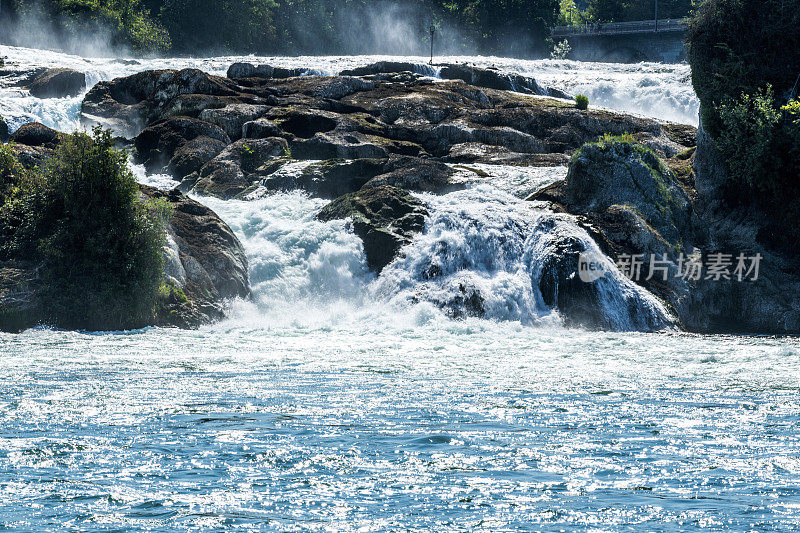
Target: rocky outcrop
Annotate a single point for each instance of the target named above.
(236, 168)
(182, 119)
(635, 206)
(36, 134)
(57, 83)
(205, 264)
(363, 117)
(181, 144)
(488, 78)
(385, 218)
(608, 178)
(248, 70)
(4, 133)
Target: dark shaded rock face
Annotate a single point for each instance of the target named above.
(415, 174)
(580, 303)
(19, 303)
(386, 218)
(169, 143)
(57, 83)
(477, 76)
(235, 169)
(248, 70)
(3, 130)
(328, 179)
(36, 134)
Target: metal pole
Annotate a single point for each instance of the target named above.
(656, 15)
(433, 31)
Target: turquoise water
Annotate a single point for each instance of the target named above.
(338, 401)
(353, 422)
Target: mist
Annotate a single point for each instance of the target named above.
(33, 29)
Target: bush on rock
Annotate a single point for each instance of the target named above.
(97, 242)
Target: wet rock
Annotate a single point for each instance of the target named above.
(248, 70)
(491, 79)
(328, 179)
(261, 129)
(36, 134)
(31, 157)
(587, 304)
(385, 218)
(158, 144)
(387, 67)
(57, 83)
(192, 155)
(474, 152)
(233, 170)
(337, 145)
(233, 117)
(205, 263)
(415, 174)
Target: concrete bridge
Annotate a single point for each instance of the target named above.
(626, 42)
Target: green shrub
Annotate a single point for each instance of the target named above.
(738, 47)
(10, 171)
(747, 131)
(98, 241)
(582, 102)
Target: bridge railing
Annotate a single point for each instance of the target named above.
(621, 28)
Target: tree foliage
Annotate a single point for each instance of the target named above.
(97, 242)
(745, 58)
(510, 27)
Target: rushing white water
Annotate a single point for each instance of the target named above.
(652, 89)
(340, 400)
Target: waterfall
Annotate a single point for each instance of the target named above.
(484, 252)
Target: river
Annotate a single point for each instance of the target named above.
(338, 400)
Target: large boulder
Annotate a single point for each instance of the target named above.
(338, 145)
(128, 104)
(233, 117)
(415, 174)
(328, 179)
(36, 134)
(158, 145)
(57, 83)
(619, 172)
(386, 218)
(205, 264)
(604, 303)
(388, 67)
(248, 70)
(234, 170)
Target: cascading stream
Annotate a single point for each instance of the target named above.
(483, 248)
(652, 89)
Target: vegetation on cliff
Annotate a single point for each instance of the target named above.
(745, 58)
(96, 243)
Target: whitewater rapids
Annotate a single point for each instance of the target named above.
(338, 400)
